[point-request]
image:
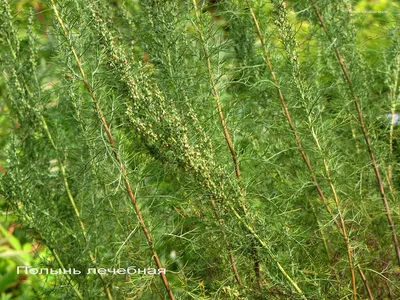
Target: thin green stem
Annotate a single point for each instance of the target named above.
(73, 204)
(268, 249)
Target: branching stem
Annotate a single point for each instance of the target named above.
(115, 152)
(364, 131)
(228, 140)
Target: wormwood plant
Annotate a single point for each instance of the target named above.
(249, 148)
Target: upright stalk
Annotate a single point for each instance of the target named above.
(264, 245)
(74, 206)
(217, 97)
(363, 129)
(227, 243)
(341, 226)
(66, 186)
(115, 151)
(228, 140)
(286, 110)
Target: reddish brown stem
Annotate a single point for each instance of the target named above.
(116, 154)
(229, 143)
(340, 225)
(365, 281)
(288, 116)
(364, 132)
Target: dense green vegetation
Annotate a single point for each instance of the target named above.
(250, 148)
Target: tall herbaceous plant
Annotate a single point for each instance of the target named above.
(205, 149)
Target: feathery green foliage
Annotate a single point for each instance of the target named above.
(250, 148)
